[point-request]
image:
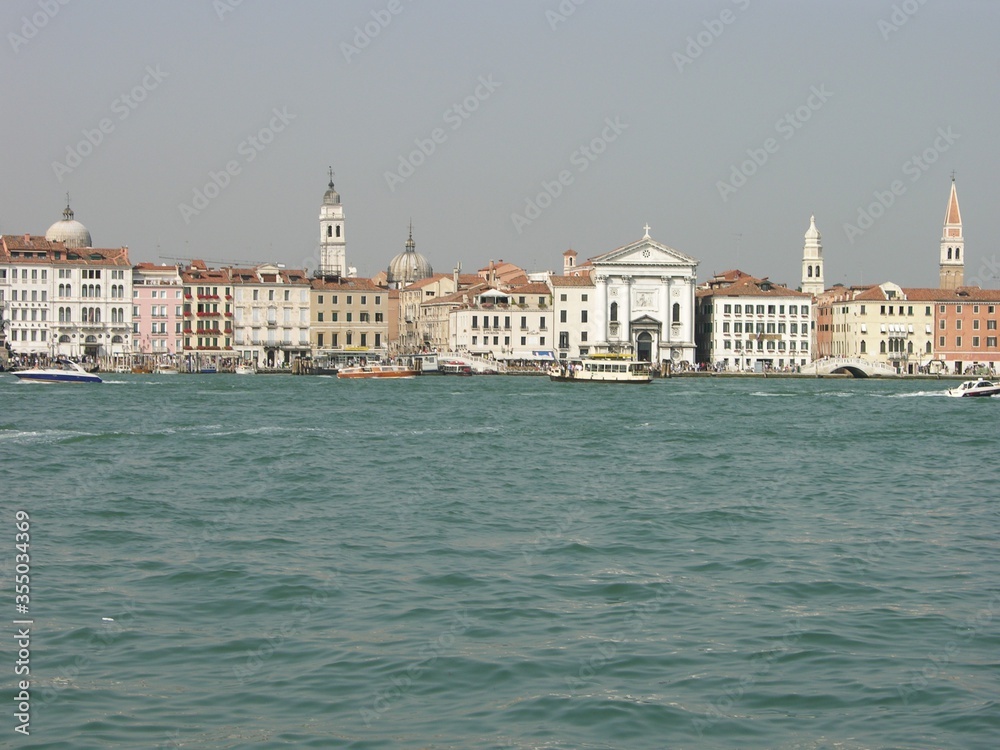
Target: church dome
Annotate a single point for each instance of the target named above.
(331, 197)
(408, 266)
(69, 231)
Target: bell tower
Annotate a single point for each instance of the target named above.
(332, 234)
(952, 262)
(812, 260)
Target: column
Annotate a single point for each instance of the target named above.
(626, 310)
(601, 311)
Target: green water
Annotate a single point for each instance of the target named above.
(505, 563)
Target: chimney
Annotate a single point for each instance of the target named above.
(27, 238)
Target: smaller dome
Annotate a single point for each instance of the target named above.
(408, 266)
(69, 231)
(331, 197)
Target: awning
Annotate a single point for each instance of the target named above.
(531, 354)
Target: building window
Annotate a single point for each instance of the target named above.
(975, 342)
(676, 316)
(562, 316)
(319, 317)
(614, 312)
(562, 298)
(583, 316)
(958, 342)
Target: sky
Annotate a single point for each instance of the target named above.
(508, 129)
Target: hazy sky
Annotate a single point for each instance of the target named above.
(722, 124)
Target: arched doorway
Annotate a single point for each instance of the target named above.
(644, 347)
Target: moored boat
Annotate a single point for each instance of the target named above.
(246, 370)
(602, 368)
(377, 371)
(61, 371)
(975, 388)
(165, 370)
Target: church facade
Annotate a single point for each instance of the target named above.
(644, 302)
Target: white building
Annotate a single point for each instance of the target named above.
(745, 323)
(644, 302)
(573, 312)
(270, 314)
(514, 324)
(62, 297)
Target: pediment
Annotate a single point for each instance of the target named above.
(646, 321)
(645, 252)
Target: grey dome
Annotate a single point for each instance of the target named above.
(408, 266)
(69, 231)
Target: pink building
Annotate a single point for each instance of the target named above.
(156, 310)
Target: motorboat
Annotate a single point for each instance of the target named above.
(60, 371)
(165, 370)
(975, 388)
(246, 370)
(377, 371)
(602, 368)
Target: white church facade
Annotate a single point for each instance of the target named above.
(644, 302)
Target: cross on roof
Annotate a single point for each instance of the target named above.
(647, 232)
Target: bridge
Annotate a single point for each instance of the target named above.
(853, 366)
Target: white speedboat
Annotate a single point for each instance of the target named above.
(165, 370)
(246, 370)
(973, 388)
(61, 371)
(602, 368)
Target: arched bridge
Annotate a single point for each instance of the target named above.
(854, 366)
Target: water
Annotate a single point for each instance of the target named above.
(506, 563)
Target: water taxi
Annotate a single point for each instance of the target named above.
(377, 371)
(975, 388)
(602, 368)
(60, 371)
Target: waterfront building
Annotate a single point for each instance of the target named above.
(965, 328)
(407, 267)
(812, 261)
(883, 323)
(65, 301)
(644, 302)
(157, 311)
(332, 235)
(349, 315)
(751, 324)
(271, 314)
(512, 324)
(437, 319)
(573, 313)
(951, 266)
(207, 314)
(414, 332)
